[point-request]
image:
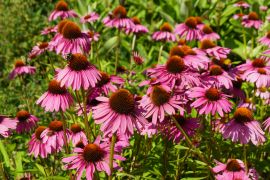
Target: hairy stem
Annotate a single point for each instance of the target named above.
(111, 155)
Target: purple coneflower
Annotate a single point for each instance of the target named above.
(242, 4)
(39, 49)
(189, 125)
(175, 71)
(56, 98)
(138, 27)
(265, 40)
(121, 142)
(20, 68)
(252, 20)
(54, 136)
(90, 17)
(77, 134)
(238, 16)
(210, 100)
(188, 29)
(138, 59)
(243, 128)
(263, 8)
(160, 102)
(152, 83)
(218, 76)
(71, 39)
(263, 93)
(118, 19)
(208, 33)
(61, 10)
(36, 146)
(6, 124)
(49, 30)
(266, 124)
(234, 169)
(260, 77)
(213, 50)
(92, 157)
(165, 33)
(79, 73)
(254, 65)
(26, 121)
(93, 36)
(106, 83)
(120, 113)
(193, 57)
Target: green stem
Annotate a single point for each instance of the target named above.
(87, 127)
(245, 157)
(50, 61)
(65, 131)
(2, 171)
(159, 54)
(111, 155)
(117, 52)
(196, 151)
(132, 49)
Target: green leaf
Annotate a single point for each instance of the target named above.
(4, 154)
(41, 169)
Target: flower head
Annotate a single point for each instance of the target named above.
(188, 29)
(90, 17)
(26, 121)
(118, 19)
(61, 10)
(7, 124)
(20, 68)
(160, 102)
(252, 20)
(79, 73)
(56, 98)
(210, 100)
(243, 128)
(36, 146)
(164, 34)
(120, 113)
(92, 157)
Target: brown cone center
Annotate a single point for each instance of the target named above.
(61, 6)
(22, 115)
(159, 96)
(93, 153)
(122, 102)
(136, 20)
(105, 78)
(253, 16)
(61, 25)
(175, 64)
(38, 131)
(243, 114)
(207, 29)
(19, 63)
(261, 71)
(43, 45)
(75, 128)
(56, 126)
(120, 12)
(212, 94)
(207, 44)
(233, 166)
(71, 30)
(215, 70)
(55, 88)
(258, 63)
(166, 27)
(78, 62)
(191, 22)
